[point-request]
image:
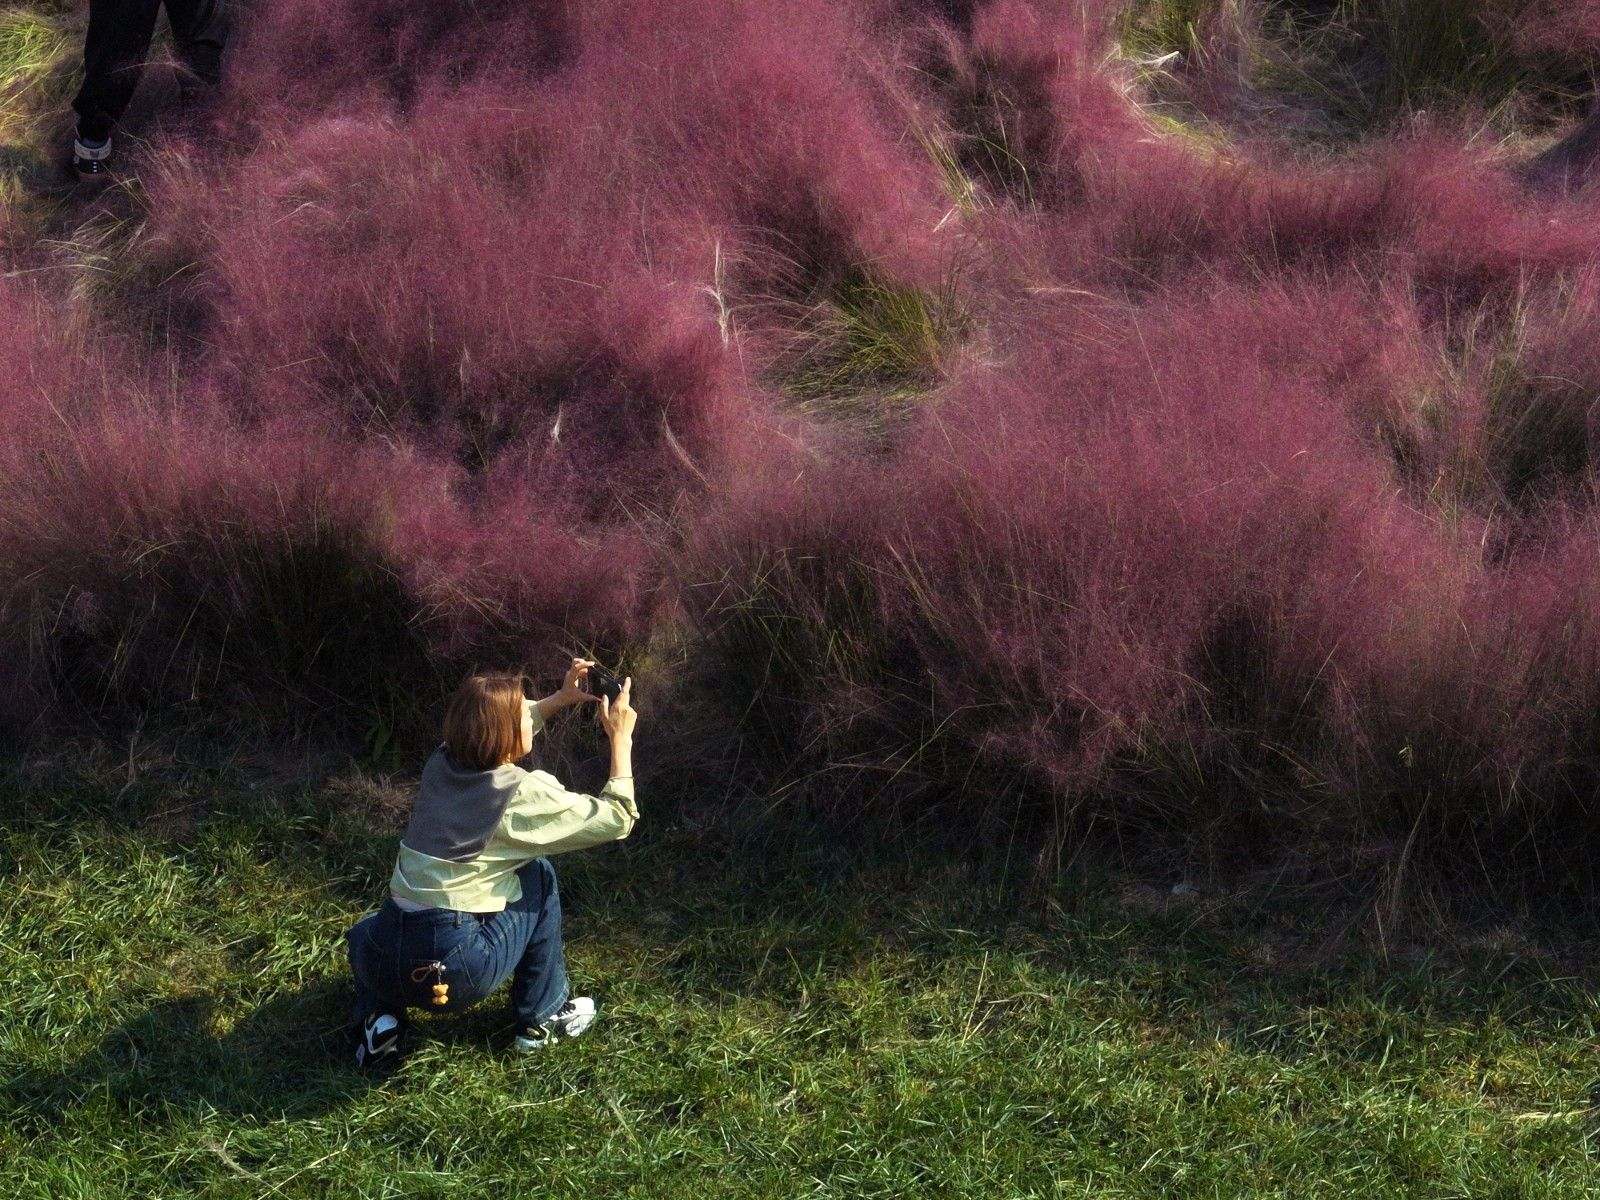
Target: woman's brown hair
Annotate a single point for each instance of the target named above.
(483, 722)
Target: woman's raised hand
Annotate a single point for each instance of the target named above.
(618, 716)
(572, 686)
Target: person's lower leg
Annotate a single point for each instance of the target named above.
(538, 991)
(367, 1003)
(95, 129)
(114, 50)
(366, 965)
(199, 34)
(539, 985)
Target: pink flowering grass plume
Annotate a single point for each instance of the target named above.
(943, 404)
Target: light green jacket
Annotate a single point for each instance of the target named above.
(454, 815)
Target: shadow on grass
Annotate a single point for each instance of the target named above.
(35, 173)
(287, 1058)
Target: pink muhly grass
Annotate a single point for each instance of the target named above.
(1034, 105)
(463, 272)
(1039, 582)
(1425, 208)
(155, 557)
(296, 59)
(1562, 27)
(1253, 489)
(443, 312)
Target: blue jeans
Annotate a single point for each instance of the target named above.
(390, 951)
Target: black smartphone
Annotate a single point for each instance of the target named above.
(598, 681)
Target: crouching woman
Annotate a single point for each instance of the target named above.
(473, 896)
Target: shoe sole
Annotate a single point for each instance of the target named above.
(367, 1060)
(574, 1030)
(369, 1055)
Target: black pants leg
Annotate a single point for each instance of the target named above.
(118, 43)
(200, 30)
(114, 52)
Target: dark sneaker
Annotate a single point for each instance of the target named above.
(378, 1040)
(569, 1021)
(92, 160)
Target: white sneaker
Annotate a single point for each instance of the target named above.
(569, 1021)
(92, 160)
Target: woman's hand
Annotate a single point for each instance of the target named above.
(572, 686)
(571, 689)
(618, 717)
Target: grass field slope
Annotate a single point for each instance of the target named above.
(781, 1016)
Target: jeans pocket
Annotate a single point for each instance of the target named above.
(452, 965)
(464, 969)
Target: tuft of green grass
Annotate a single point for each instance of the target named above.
(35, 50)
(1198, 134)
(867, 350)
(1432, 48)
(30, 44)
(989, 138)
(846, 347)
(1368, 64)
(781, 1014)
(1152, 29)
(1335, 71)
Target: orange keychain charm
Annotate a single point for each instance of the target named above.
(441, 989)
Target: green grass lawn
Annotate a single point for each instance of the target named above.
(781, 1016)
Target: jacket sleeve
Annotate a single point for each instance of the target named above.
(545, 818)
(538, 717)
